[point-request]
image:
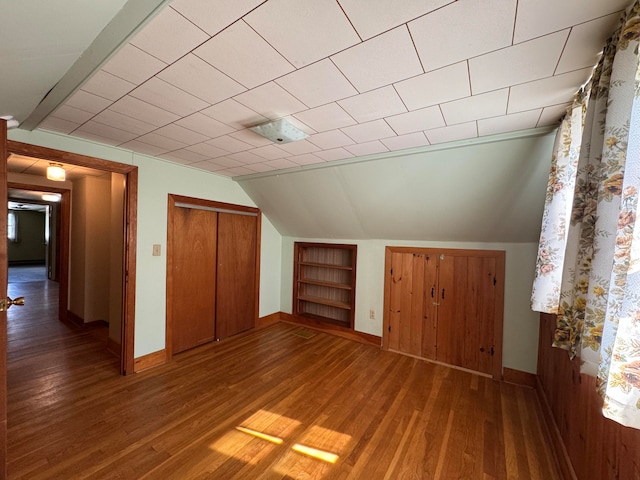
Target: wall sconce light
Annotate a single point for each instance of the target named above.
(56, 173)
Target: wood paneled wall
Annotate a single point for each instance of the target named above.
(596, 447)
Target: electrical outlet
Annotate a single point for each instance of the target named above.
(156, 250)
(372, 314)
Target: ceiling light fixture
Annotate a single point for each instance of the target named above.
(56, 173)
(279, 131)
(51, 197)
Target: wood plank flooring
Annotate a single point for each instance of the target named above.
(263, 405)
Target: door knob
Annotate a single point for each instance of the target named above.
(6, 304)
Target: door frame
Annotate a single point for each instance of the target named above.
(228, 207)
(130, 233)
(498, 318)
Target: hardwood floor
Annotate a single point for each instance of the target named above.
(246, 407)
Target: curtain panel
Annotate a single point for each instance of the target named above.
(588, 266)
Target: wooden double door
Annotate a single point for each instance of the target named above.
(212, 262)
(446, 305)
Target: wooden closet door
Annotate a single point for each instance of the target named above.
(412, 313)
(466, 311)
(236, 305)
(193, 273)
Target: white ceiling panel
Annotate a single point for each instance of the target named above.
(380, 61)
(143, 148)
(59, 125)
(160, 141)
(509, 123)
(247, 158)
(327, 117)
(213, 17)
(467, 36)
(133, 64)
(108, 86)
(330, 139)
(317, 84)
(548, 91)
(169, 37)
(184, 156)
(333, 154)
(143, 111)
(585, 43)
(521, 63)
(205, 125)
(485, 105)
(88, 102)
(271, 100)
(261, 167)
(306, 159)
(552, 115)
(411, 140)
(452, 133)
(227, 162)
(373, 105)
(194, 75)
(244, 55)
(299, 148)
(207, 150)
(417, 120)
(280, 163)
(373, 17)
(72, 114)
(366, 132)
(539, 17)
(234, 114)
(270, 152)
(305, 39)
(106, 131)
(367, 148)
(444, 85)
(208, 165)
(230, 144)
(83, 133)
(164, 95)
(232, 172)
(124, 122)
(251, 137)
(181, 134)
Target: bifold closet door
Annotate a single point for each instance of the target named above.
(236, 279)
(193, 273)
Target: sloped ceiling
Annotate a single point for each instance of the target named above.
(361, 77)
(476, 192)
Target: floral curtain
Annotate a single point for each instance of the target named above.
(588, 268)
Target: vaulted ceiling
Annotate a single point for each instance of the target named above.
(185, 81)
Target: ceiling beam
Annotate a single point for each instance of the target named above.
(126, 23)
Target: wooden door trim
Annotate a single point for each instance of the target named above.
(173, 199)
(4, 155)
(65, 222)
(498, 320)
(131, 201)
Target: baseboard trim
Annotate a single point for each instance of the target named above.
(149, 361)
(332, 329)
(518, 377)
(76, 320)
(268, 320)
(559, 448)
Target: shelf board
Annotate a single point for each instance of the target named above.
(322, 283)
(324, 301)
(326, 265)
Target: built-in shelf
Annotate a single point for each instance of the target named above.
(324, 282)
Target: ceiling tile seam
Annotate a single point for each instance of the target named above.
(415, 49)
(346, 78)
(143, 51)
(515, 22)
(539, 117)
(393, 85)
(444, 119)
(469, 77)
(349, 20)
(564, 47)
(268, 43)
(508, 101)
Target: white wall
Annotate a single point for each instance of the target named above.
(156, 179)
(520, 329)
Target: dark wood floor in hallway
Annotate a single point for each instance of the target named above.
(270, 404)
